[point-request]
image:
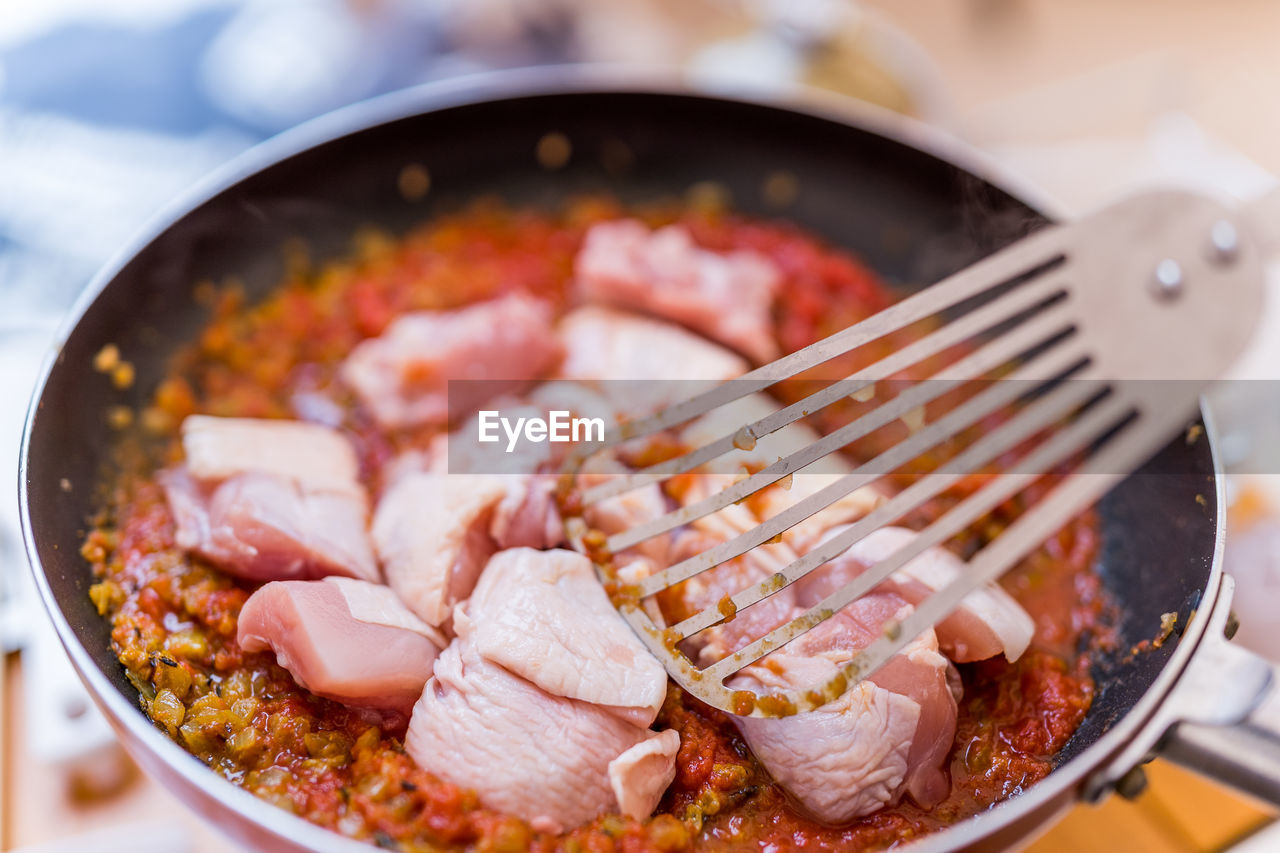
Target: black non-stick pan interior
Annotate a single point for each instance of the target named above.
(911, 216)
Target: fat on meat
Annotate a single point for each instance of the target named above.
(317, 457)
(246, 499)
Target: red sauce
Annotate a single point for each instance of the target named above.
(173, 618)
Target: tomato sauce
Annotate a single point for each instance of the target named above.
(173, 618)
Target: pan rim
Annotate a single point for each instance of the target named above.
(566, 81)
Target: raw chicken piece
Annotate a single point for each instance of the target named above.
(728, 297)
(267, 527)
(315, 456)
(344, 639)
(544, 758)
(270, 499)
(712, 588)
(887, 736)
(640, 775)
(544, 616)
(918, 672)
(402, 377)
(649, 364)
(528, 516)
(435, 532)
(842, 761)
(432, 535)
(627, 510)
(987, 623)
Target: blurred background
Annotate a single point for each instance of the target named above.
(109, 109)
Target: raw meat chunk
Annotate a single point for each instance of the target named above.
(266, 527)
(987, 623)
(544, 616)
(432, 535)
(889, 735)
(728, 297)
(344, 639)
(402, 377)
(435, 532)
(541, 757)
(648, 364)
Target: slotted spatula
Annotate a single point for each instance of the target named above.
(1103, 332)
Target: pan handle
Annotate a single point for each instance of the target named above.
(1245, 756)
(1238, 749)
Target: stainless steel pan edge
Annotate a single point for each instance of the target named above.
(228, 807)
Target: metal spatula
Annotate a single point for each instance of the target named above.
(1104, 332)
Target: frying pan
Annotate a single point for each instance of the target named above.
(914, 204)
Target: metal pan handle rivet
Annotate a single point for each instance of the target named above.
(1132, 784)
(1224, 242)
(1168, 280)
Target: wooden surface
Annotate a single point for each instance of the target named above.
(1179, 813)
